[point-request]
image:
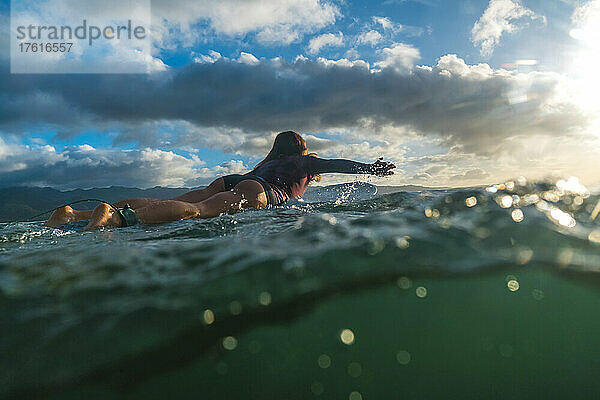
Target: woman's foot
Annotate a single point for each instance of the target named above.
(103, 215)
(61, 216)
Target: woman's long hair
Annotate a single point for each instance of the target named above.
(288, 143)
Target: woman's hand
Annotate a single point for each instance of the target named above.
(382, 168)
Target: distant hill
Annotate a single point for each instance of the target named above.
(21, 203)
(406, 188)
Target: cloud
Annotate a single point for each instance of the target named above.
(400, 57)
(385, 22)
(226, 104)
(586, 14)
(184, 23)
(391, 28)
(371, 37)
(500, 16)
(422, 176)
(211, 57)
(84, 167)
(247, 58)
(325, 40)
(207, 175)
(272, 21)
(475, 174)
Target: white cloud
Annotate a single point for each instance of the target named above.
(391, 28)
(421, 176)
(343, 62)
(371, 37)
(273, 21)
(400, 56)
(247, 58)
(475, 174)
(206, 175)
(211, 57)
(385, 22)
(500, 16)
(352, 54)
(325, 40)
(586, 13)
(84, 167)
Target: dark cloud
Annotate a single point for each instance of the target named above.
(466, 105)
(85, 167)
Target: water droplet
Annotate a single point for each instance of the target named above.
(347, 336)
(471, 201)
(565, 256)
(537, 294)
(230, 343)
(403, 357)
(324, 361)
(402, 242)
(376, 246)
(524, 256)
(404, 282)
(264, 298)
(208, 316)
(517, 215)
(594, 236)
(355, 396)
(513, 285)
(317, 388)
(506, 201)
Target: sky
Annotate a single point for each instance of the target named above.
(455, 93)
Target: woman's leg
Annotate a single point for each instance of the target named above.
(196, 196)
(246, 194)
(66, 214)
(103, 215)
(156, 212)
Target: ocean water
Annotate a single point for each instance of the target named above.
(483, 293)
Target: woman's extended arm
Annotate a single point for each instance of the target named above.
(322, 166)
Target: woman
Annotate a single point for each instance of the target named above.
(284, 174)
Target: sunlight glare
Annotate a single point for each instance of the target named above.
(584, 66)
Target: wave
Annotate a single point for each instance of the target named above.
(116, 283)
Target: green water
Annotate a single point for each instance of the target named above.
(468, 338)
(498, 301)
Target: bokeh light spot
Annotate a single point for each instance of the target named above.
(513, 285)
(264, 298)
(208, 316)
(347, 336)
(230, 343)
(403, 357)
(324, 361)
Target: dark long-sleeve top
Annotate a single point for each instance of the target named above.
(289, 177)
